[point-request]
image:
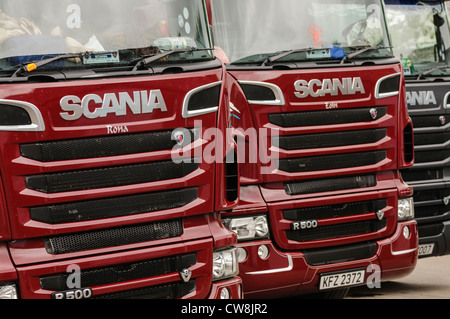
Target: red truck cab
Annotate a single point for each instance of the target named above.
(321, 140)
(96, 100)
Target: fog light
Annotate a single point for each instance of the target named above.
(225, 293)
(406, 232)
(242, 254)
(8, 292)
(263, 252)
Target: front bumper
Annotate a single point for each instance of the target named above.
(440, 240)
(284, 274)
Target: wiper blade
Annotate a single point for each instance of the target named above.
(158, 56)
(283, 54)
(432, 70)
(362, 50)
(29, 67)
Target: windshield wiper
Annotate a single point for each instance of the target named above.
(158, 56)
(283, 54)
(362, 50)
(29, 67)
(432, 70)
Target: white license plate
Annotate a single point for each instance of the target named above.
(426, 249)
(342, 279)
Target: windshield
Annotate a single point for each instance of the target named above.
(420, 35)
(253, 30)
(108, 33)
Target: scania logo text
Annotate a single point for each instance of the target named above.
(414, 98)
(93, 106)
(318, 88)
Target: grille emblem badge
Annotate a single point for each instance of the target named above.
(442, 120)
(178, 136)
(373, 113)
(185, 274)
(446, 200)
(380, 214)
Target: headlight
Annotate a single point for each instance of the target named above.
(225, 264)
(8, 291)
(249, 228)
(405, 208)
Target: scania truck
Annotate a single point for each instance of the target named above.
(96, 99)
(321, 140)
(420, 35)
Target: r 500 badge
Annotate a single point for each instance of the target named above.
(306, 224)
(83, 293)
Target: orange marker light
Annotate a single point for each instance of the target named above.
(31, 67)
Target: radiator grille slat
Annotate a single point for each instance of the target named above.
(109, 176)
(113, 237)
(316, 163)
(326, 256)
(329, 184)
(327, 117)
(411, 175)
(335, 139)
(122, 272)
(429, 121)
(337, 230)
(101, 146)
(431, 138)
(170, 291)
(113, 207)
(431, 156)
(335, 211)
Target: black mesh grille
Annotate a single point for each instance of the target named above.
(325, 256)
(113, 237)
(171, 291)
(411, 175)
(431, 156)
(307, 141)
(109, 176)
(430, 230)
(335, 211)
(429, 121)
(337, 230)
(431, 138)
(329, 184)
(430, 195)
(113, 207)
(327, 117)
(316, 163)
(430, 211)
(100, 146)
(431, 203)
(122, 272)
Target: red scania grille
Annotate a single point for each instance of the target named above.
(85, 183)
(337, 220)
(140, 273)
(343, 141)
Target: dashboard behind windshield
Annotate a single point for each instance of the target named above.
(121, 31)
(252, 30)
